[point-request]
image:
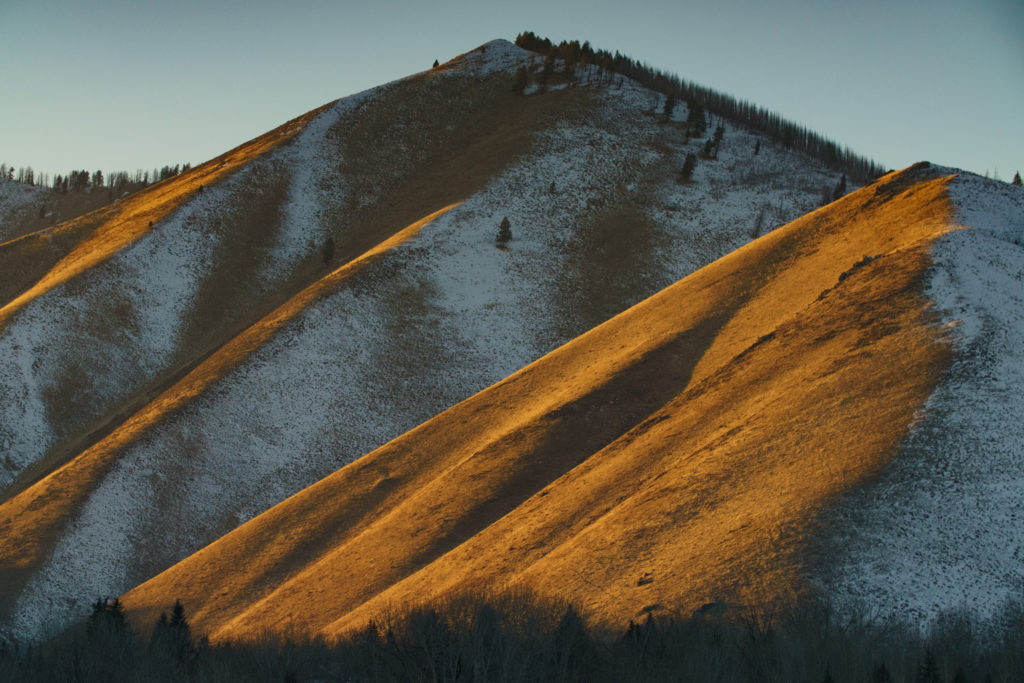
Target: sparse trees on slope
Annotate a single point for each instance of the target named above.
(755, 118)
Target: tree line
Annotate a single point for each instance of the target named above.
(519, 636)
(790, 135)
(77, 181)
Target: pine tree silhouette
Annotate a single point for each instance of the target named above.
(328, 250)
(840, 188)
(928, 671)
(504, 232)
(687, 170)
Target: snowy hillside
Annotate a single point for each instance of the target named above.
(599, 222)
(942, 530)
(16, 201)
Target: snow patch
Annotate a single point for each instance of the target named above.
(944, 529)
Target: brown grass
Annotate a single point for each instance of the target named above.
(691, 440)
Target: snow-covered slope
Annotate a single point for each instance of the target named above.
(942, 531)
(16, 200)
(599, 223)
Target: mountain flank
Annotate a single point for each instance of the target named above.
(677, 455)
(586, 172)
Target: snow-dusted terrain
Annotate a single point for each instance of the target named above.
(16, 199)
(943, 530)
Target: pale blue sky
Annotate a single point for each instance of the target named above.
(115, 84)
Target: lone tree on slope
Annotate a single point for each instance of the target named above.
(1016, 178)
(504, 232)
(686, 172)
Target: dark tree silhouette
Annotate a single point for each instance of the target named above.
(436, 64)
(881, 674)
(1016, 178)
(504, 232)
(670, 105)
(757, 148)
(928, 670)
(696, 120)
(686, 172)
(707, 152)
(329, 250)
(840, 188)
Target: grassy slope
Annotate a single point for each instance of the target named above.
(485, 134)
(31, 520)
(691, 440)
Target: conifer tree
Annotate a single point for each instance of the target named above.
(840, 188)
(757, 148)
(695, 120)
(436, 64)
(1016, 178)
(504, 232)
(670, 105)
(689, 164)
(928, 671)
(179, 632)
(719, 133)
(881, 674)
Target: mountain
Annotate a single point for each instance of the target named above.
(180, 362)
(683, 452)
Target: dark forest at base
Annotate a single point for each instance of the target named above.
(519, 637)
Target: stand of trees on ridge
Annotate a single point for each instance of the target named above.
(759, 119)
(77, 181)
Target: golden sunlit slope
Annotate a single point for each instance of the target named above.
(674, 455)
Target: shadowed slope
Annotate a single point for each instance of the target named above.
(688, 442)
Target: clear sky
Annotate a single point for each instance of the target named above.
(120, 84)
